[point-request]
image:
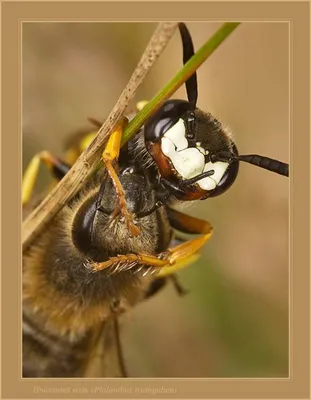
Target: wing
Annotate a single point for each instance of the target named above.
(105, 357)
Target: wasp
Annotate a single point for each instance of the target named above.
(119, 240)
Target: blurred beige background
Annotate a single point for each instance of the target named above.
(234, 321)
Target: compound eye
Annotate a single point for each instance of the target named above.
(163, 120)
(227, 179)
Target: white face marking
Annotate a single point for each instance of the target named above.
(212, 181)
(168, 147)
(177, 134)
(202, 150)
(190, 162)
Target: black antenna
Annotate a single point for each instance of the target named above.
(267, 163)
(188, 52)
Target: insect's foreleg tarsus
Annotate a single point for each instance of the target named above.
(109, 156)
(141, 259)
(57, 167)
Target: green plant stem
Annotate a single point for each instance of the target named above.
(184, 73)
(83, 167)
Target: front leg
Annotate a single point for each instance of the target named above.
(168, 261)
(109, 156)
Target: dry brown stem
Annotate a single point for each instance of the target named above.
(69, 185)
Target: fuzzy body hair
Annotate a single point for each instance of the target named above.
(64, 300)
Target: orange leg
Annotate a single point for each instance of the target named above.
(187, 252)
(169, 260)
(111, 154)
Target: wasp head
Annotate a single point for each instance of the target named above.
(195, 156)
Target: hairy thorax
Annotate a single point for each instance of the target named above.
(59, 286)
